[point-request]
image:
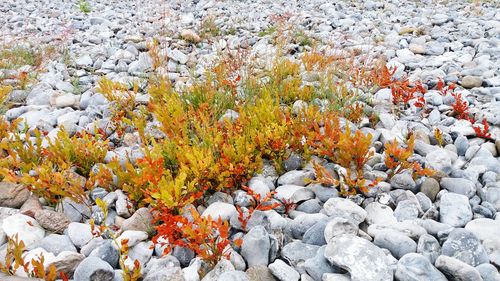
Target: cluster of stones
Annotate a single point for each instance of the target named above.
(446, 228)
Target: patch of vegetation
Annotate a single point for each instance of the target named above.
(84, 6)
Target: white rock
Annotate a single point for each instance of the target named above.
(27, 229)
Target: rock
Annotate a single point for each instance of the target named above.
(31, 206)
(315, 234)
(338, 226)
(460, 186)
(66, 100)
(403, 181)
(178, 56)
(430, 187)
(407, 210)
(107, 252)
(52, 221)
(220, 209)
(397, 243)
(344, 208)
(84, 61)
(318, 265)
(233, 275)
(455, 210)
(56, 244)
(141, 220)
(296, 252)
(141, 252)
(466, 247)
(222, 266)
(300, 224)
(256, 246)
(26, 228)
(323, 193)
(67, 262)
(484, 229)
(165, 268)
(456, 270)
(470, 82)
(296, 177)
(293, 193)
(94, 269)
(362, 259)
(260, 273)
(415, 267)
(79, 233)
(122, 205)
(283, 271)
(132, 236)
(76, 212)
(379, 214)
(429, 247)
(13, 195)
(439, 160)
(488, 272)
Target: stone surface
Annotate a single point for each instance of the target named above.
(455, 210)
(283, 271)
(456, 269)
(13, 195)
(415, 267)
(52, 221)
(362, 259)
(94, 269)
(25, 228)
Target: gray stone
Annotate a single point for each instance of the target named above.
(398, 244)
(79, 233)
(76, 212)
(300, 224)
(319, 265)
(338, 226)
(166, 268)
(94, 269)
(297, 252)
(439, 160)
(283, 271)
(315, 234)
(415, 267)
(256, 246)
(296, 177)
(406, 210)
(379, 214)
(25, 228)
(460, 186)
(429, 247)
(403, 181)
(361, 258)
(56, 244)
(107, 252)
(456, 270)
(465, 246)
(323, 193)
(233, 275)
(344, 208)
(455, 210)
(488, 272)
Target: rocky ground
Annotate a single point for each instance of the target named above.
(447, 229)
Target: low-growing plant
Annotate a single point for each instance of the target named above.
(397, 159)
(461, 108)
(261, 204)
(207, 237)
(84, 6)
(15, 260)
(482, 131)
